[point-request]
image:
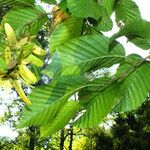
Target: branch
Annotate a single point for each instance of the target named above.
(124, 75)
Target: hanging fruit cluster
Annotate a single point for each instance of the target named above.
(17, 57)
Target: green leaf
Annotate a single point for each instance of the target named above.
(109, 5)
(63, 6)
(3, 41)
(49, 1)
(69, 29)
(134, 88)
(63, 116)
(140, 42)
(95, 85)
(53, 70)
(26, 20)
(17, 2)
(126, 11)
(3, 66)
(137, 32)
(100, 104)
(47, 100)
(127, 95)
(84, 54)
(37, 72)
(105, 23)
(84, 8)
(128, 64)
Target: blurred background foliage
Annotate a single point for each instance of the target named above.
(127, 131)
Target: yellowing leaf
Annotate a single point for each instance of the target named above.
(26, 74)
(58, 16)
(7, 55)
(21, 92)
(39, 51)
(33, 60)
(11, 37)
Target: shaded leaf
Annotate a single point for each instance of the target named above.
(134, 89)
(49, 1)
(63, 116)
(137, 32)
(3, 66)
(84, 8)
(26, 20)
(128, 64)
(105, 23)
(17, 2)
(53, 70)
(100, 104)
(109, 5)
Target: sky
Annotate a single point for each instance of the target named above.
(144, 6)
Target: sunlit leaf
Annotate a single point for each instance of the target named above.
(126, 11)
(47, 100)
(85, 54)
(69, 29)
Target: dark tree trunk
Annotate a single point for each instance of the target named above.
(62, 139)
(71, 137)
(31, 143)
(32, 137)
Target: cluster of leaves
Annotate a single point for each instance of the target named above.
(79, 47)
